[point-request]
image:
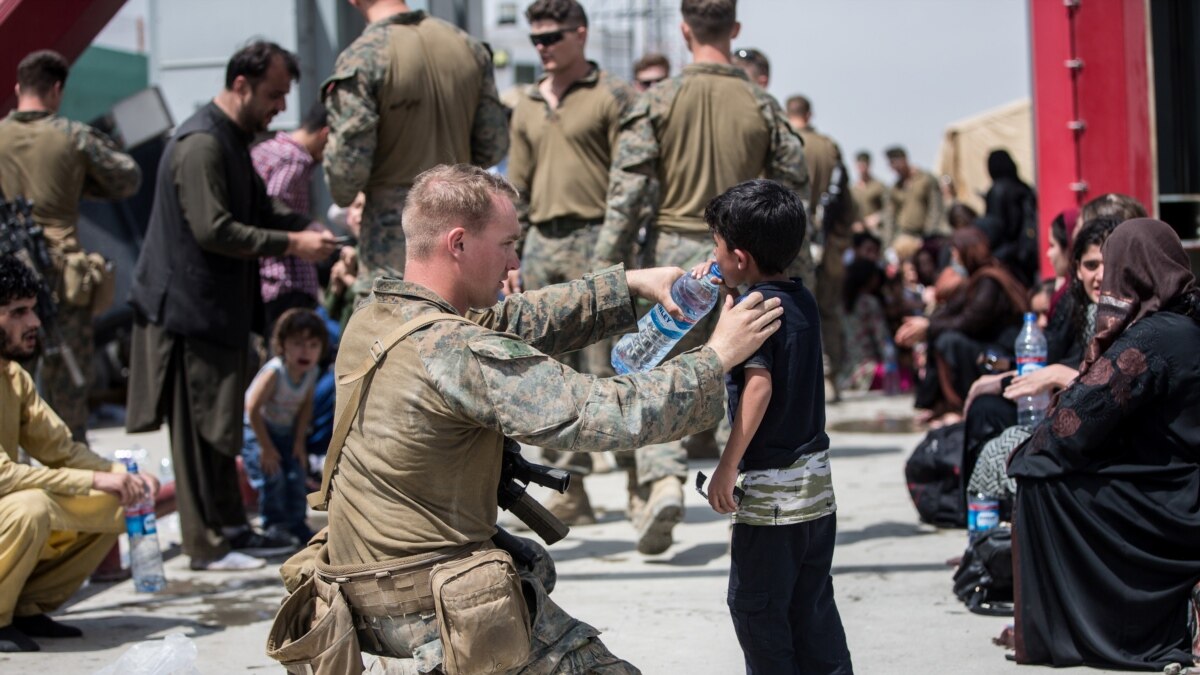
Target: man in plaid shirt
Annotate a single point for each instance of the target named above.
(286, 163)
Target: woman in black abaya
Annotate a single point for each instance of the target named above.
(1107, 524)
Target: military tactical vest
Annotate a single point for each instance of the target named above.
(39, 161)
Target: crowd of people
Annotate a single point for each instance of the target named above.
(366, 358)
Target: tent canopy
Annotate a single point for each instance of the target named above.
(967, 144)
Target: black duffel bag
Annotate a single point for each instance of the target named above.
(984, 579)
(934, 477)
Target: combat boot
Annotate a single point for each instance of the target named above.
(663, 510)
(702, 445)
(573, 506)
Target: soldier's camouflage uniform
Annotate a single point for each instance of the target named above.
(421, 462)
(410, 93)
(646, 174)
(54, 162)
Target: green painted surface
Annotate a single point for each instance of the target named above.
(100, 78)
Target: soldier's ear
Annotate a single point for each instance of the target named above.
(455, 240)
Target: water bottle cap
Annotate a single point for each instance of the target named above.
(715, 271)
(1030, 317)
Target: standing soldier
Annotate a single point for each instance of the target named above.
(870, 196)
(563, 133)
(687, 140)
(53, 162)
(649, 70)
(916, 201)
(824, 159)
(410, 93)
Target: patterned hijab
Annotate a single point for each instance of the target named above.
(1145, 269)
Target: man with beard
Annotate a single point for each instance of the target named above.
(195, 297)
(59, 520)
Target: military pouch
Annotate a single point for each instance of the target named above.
(481, 612)
(87, 281)
(303, 564)
(313, 632)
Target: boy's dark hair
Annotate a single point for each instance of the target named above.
(17, 281)
(566, 13)
(253, 60)
(651, 60)
(710, 20)
(298, 321)
(762, 218)
(39, 71)
(316, 119)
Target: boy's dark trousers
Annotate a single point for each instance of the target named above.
(781, 599)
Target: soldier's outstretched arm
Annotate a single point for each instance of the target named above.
(505, 384)
(353, 128)
(632, 186)
(489, 133)
(110, 173)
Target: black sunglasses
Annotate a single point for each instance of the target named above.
(650, 83)
(548, 38)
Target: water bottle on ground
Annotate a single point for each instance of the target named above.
(658, 331)
(983, 514)
(891, 370)
(145, 557)
(1031, 356)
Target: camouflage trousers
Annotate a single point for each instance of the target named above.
(561, 645)
(831, 276)
(678, 250)
(381, 247)
(57, 387)
(554, 255)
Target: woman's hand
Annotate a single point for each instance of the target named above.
(988, 384)
(913, 330)
(1048, 379)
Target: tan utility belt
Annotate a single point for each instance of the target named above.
(394, 587)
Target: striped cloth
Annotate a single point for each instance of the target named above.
(286, 168)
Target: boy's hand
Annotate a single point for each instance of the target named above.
(701, 270)
(720, 489)
(269, 459)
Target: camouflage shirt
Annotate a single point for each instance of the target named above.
(677, 150)
(53, 162)
(798, 493)
(419, 468)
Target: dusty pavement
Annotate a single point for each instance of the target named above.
(665, 614)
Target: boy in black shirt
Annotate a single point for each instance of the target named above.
(780, 588)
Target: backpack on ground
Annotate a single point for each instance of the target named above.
(984, 579)
(934, 477)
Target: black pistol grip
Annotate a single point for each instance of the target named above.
(541, 521)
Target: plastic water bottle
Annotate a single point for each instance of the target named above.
(658, 331)
(1031, 356)
(145, 557)
(891, 369)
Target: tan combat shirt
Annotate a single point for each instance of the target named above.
(559, 158)
(822, 155)
(870, 197)
(421, 464)
(687, 140)
(27, 422)
(53, 162)
(917, 205)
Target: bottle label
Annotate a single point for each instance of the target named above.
(668, 325)
(1028, 364)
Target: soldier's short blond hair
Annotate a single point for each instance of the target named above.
(449, 196)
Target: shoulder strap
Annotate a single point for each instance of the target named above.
(375, 354)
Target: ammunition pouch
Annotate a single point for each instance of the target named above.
(88, 281)
(481, 613)
(313, 633)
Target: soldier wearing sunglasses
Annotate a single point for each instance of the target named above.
(563, 131)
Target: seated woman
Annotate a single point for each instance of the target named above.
(991, 431)
(865, 328)
(985, 312)
(1107, 525)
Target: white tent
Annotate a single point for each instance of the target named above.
(967, 143)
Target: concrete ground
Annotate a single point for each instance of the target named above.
(665, 614)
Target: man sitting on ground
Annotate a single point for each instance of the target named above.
(58, 521)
